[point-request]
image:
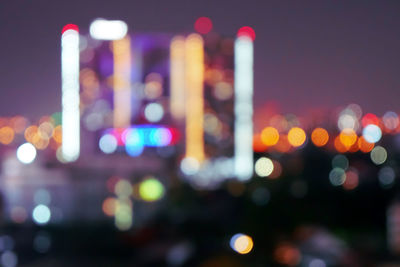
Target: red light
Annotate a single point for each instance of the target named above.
(247, 31)
(203, 25)
(70, 27)
(369, 118)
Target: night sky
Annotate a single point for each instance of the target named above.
(308, 53)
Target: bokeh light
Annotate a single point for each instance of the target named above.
(154, 112)
(378, 155)
(337, 176)
(348, 137)
(108, 143)
(41, 214)
(365, 146)
(269, 136)
(319, 137)
(203, 25)
(296, 136)
(263, 167)
(372, 133)
(26, 153)
(241, 243)
(386, 177)
(6, 135)
(151, 189)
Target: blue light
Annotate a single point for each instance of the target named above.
(134, 143)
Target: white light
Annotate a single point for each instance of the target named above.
(190, 166)
(264, 167)
(372, 133)
(70, 95)
(41, 214)
(102, 29)
(243, 108)
(108, 144)
(26, 153)
(153, 112)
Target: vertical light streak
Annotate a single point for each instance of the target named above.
(70, 147)
(194, 79)
(243, 157)
(177, 77)
(122, 82)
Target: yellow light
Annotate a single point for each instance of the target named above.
(151, 189)
(177, 77)
(194, 78)
(241, 243)
(269, 136)
(296, 136)
(319, 137)
(122, 82)
(348, 137)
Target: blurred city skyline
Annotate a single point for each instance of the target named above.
(307, 55)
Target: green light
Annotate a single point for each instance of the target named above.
(151, 189)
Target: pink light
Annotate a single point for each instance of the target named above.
(203, 25)
(70, 27)
(247, 31)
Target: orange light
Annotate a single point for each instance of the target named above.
(339, 145)
(296, 136)
(283, 144)
(57, 134)
(6, 135)
(30, 132)
(319, 137)
(348, 137)
(258, 145)
(269, 136)
(109, 206)
(365, 146)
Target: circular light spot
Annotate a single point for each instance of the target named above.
(18, 214)
(26, 153)
(340, 161)
(123, 188)
(109, 206)
(365, 146)
(337, 176)
(319, 137)
(203, 25)
(223, 91)
(378, 155)
(386, 177)
(9, 259)
(263, 167)
(269, 136)
(351, 181)
(133, 143)
(153, 112)
(6, 135)
(41, 214)
(190, 166)
(372, 133)
(296, 136)
(348, 137)
(108, 144)
(151, 189)
(241, 243)
(391, 120)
